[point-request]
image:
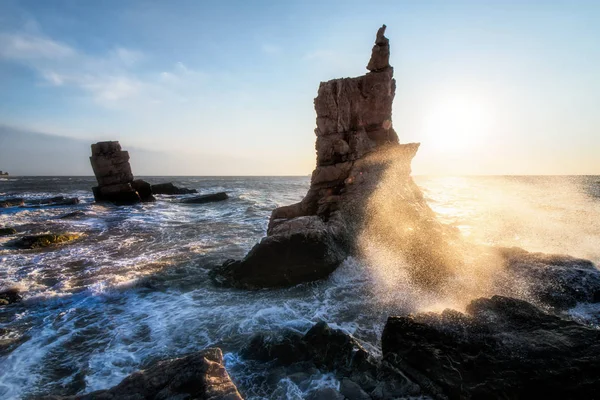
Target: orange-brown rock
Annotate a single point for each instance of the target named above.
(355, 145)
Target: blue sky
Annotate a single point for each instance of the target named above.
(504, 87)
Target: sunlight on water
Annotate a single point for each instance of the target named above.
(135, 288)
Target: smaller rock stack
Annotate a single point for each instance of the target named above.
(114, 176)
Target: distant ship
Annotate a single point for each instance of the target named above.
(3, 173)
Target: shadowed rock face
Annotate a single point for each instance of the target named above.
(198, 376)
(114, 176)
(355, 145)
(501, 348)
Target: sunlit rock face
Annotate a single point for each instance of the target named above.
(114, 176)
(356, 144)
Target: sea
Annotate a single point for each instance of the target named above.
(135, 288)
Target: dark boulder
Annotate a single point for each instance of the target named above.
(501, 348)
(44, 240)
(206, 198)
(170, 189)
(198, 376)
(9, 296)
(121, 194)
(330, 350)
(284, 260)
(13, 202)
(558, 281)
(144, 190)
(7, 231)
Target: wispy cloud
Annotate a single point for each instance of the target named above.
(31, 47)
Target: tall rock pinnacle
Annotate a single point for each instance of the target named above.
(355, 144)
(380, 55)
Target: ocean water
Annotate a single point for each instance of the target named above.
(135, 288)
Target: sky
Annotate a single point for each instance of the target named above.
(227, 87)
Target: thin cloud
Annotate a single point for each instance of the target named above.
(31, 47)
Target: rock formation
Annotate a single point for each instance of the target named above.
(6, 231)
(502, 348)
(170, 189)
(356, 144)
(13, 202)
(199, 376)
(206, 198)
(330, 350)
(114, 176)
(44, 240)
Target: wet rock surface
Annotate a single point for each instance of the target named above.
(284, 260)
(12, 202)
(206, 198)
(7, 231)
(170, 189)
(500, 348)
(199, 376)
(44, 240)
(52, 201)
(558, 281)
(9, 296)
(331, 350)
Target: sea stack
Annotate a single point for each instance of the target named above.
(355, 144)
(114, 176)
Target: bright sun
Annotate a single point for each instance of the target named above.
(457, 123)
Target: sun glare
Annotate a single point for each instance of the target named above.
(457, 123)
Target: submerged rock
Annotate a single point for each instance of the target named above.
(7, 231)
(13, 202)
(114, 176)
(199, 376)
(53, 201)
(206, 198)
(356, 147)
(500, 348)
(9, 296)
(170, 189)
(44, 240)
(72, 215)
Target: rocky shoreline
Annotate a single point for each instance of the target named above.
(500, 346)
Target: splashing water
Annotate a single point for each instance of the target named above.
(135, 289)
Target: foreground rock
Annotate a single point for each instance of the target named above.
(7, 231)
(14, 202)
(199, 376)
(45, 240)
(501, 348)
(331, 350)
(357, 149)
(170, 189)
(114, 176)
(206, 198)
(9, 296)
